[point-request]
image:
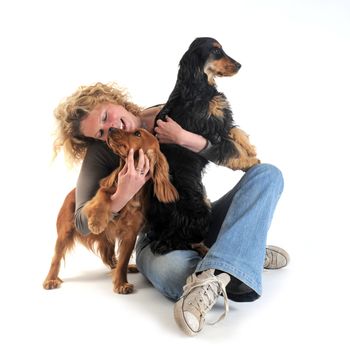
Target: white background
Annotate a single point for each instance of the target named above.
(291, 96)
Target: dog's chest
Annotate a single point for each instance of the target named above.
(207, 118)
(201, 109)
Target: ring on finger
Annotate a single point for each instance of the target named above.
(140, 171)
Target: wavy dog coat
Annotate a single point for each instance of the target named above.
(197, 105)
(105, 230)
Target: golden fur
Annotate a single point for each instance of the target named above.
(246, 151)
(105, 230)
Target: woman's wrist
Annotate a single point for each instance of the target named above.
(194, 142)
(118, 202)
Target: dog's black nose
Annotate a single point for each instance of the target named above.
(110, 130)
(238, 65)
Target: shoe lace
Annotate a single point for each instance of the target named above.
(204, 298)
(268, 258)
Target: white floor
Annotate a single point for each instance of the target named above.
(291, 95)
(85, 312)
(301, 304)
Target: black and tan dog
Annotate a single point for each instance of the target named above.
(199, 107)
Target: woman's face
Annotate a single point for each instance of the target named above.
(105, 116)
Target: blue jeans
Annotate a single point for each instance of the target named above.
(240, 221)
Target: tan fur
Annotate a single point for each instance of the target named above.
(221, 67)
(247, 153)
(217, 106)
(201, 248)
(105, 230)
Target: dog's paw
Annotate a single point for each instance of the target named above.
(243, 163)
(52, 284)
(97, 224)
(250, 163)
(132, 268)
(201, 248)
(123, 288)
(159, 248)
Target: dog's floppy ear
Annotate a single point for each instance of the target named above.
(159, 169)
(108, 183)
(190, 68)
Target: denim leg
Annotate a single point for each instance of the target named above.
(168, 272)
(237, 238)
(239, 247)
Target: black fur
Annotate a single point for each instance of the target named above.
(189, 102)
(177, 225)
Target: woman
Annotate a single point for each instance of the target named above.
(240, 219)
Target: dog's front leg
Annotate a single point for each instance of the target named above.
(120, 281)
(246, 151)
(98, 211)
(242, 138)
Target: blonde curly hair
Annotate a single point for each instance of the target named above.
(73, 109)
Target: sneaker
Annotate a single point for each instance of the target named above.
(200, 294)
(275, 258)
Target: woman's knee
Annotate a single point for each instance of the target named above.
(272, 173)
(168, 273)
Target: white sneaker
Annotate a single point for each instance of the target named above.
(275, 258)
(200, 294)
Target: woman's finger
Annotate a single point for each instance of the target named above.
(124, 169)
(141, 161)
(146, 167)
(130, 160)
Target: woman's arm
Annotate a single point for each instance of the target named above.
(98, 163)
(130, 180)
(171, 132)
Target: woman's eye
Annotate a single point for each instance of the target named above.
(137, 133)
(105, 117)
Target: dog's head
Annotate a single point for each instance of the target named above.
(121, 141)
(205, 55)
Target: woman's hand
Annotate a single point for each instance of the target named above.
(130, 180)
(171, 132)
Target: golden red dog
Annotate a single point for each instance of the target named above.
(105, 230)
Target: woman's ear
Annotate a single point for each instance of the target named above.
(159, 169)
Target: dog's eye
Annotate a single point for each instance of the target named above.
(137, 133)
(216, 52)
